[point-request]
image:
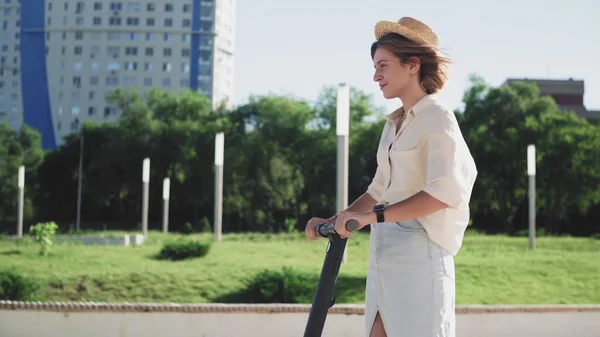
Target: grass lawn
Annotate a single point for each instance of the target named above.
(489, 269)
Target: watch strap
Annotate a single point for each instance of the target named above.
(378, 209)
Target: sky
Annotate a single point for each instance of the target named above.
(296, 47)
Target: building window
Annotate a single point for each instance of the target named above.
(150, 7)
(97, 20)
(97, 6)
(113, 51)
(168, 7)
(78, 35)
(79, 7)
(91, 111)
(186, 23)
(148, 81)
(131, 66)
(185, 52)
(112, 81)
(166, 82)
(94, 80)
(133, 6)
(116, 6)
(109, 111)
(129, 81)
(133, 21)
(75, 124)
(113, 66)
(168, 22)
(186, 8)
(167, 37)
(131, 51)
(149, 51)
(150, 22)
(167, 67)
(167, 52)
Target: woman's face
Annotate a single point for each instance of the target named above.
(392, 75)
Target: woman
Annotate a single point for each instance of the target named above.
(418, 202)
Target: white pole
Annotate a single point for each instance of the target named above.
(531, 168)
(146, 182)
(21, 186)
(166, 192)
(219, 159)
(342, 131)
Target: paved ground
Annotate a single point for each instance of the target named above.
(93, 320)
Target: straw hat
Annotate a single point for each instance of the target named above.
(410, 28)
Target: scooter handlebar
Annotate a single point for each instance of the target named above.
(325, 230)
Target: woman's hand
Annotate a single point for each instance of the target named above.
(310, 232)
(363, 219)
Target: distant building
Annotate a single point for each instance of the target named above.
(59, 58)
(568, 94)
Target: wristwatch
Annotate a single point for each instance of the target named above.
(378, 209)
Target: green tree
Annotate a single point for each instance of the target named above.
(498, 124)
(18, 147)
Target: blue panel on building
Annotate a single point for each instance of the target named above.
(195, 47)
(34, 79)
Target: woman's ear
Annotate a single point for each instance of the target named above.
(414, 65)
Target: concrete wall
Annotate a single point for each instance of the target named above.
(103, 320)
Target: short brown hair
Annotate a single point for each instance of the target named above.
(433, 73)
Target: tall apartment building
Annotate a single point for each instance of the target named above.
(59, 58)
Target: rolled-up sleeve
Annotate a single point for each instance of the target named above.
(375, 189)
(451, 172)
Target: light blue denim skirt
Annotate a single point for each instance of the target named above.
(410, 282)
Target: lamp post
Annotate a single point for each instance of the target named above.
(166, 192)
(146, 183)
(21, 186)
(219, 158)
(342, 131)
(531, 166)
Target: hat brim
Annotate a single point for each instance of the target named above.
(386, 27)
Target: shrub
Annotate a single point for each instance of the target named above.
(184, 249)
(282, 286)
(16, 287)
(44, 233)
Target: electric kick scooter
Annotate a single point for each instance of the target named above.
(324, 298)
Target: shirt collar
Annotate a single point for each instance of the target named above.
(424, 102)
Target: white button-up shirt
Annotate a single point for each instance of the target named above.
(428, 154)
